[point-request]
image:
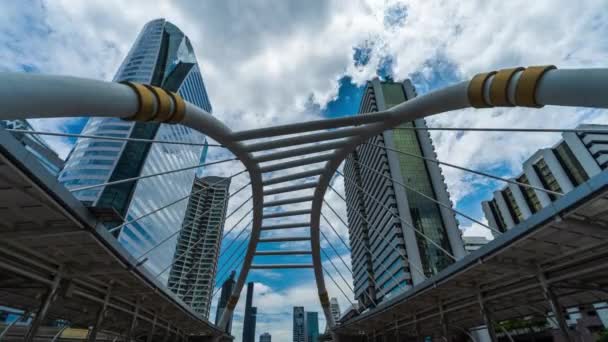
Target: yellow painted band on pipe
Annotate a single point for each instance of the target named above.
(164, 110)
(525, 92)
(146, 102)
(179, 108)
(499, 89)
(476, 88)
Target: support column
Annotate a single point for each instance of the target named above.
(100, 315)
(558, 310)
(44, 308)
(487, 318)
(167, 333)
(444, 324)
(151, 333)
(396, 329)
(133, 325)
(419, 337)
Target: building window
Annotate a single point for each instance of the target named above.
(500, 221)
(529, 194)
(507, 194)
(570, 163)
(547, 178)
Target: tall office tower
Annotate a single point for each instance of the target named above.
(473, 243)
(192, 275)
(250, 316)
(223, 301)
(33, 143)
(162, 56)
(380, 238)
(311, 321)
(265, 337)
(334, 306)
(298, 324)
(561, 168)
(335, 311)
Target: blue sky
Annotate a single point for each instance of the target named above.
(296, 61)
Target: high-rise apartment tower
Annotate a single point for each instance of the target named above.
(561, 168)
(192, 275)
(298, 324)
(388, 214)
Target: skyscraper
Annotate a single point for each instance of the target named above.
(223, 301)
(312, 327)
(298, 324)
(250, 316)
(265, 337)
(33, 143)
(192, 275)
(334, 306)
(378, 238)
(162, 56)
(561, 168)
(335, 311)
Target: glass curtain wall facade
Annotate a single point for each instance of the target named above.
(162, 56)
(192, 275)
(312, 327)
(35, 145)
(382, 214)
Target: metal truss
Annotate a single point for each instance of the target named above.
(273, 156)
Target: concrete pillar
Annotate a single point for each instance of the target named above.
(487, 318)
(48, 299)
(558, 310)
(100, 316)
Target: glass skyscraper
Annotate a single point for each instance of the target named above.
(162, 56)
(312, 327)
(34, 144)
(387, 199)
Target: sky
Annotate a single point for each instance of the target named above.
(269, 62)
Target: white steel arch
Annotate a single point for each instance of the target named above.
(38, 96)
